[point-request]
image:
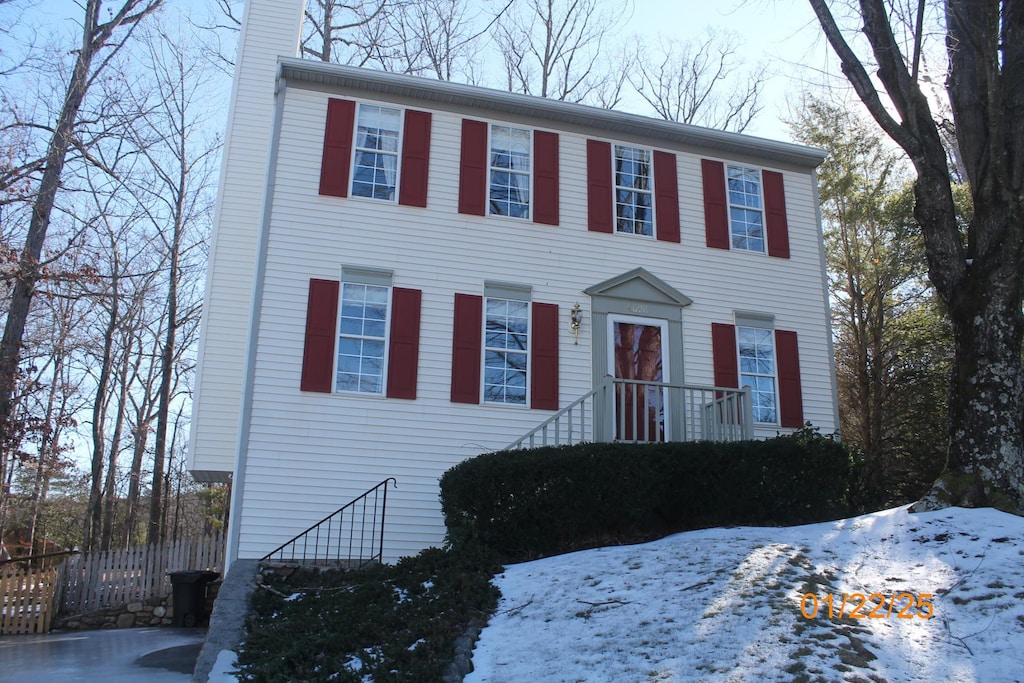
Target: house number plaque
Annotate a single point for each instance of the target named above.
(637, 308)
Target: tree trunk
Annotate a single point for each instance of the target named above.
(135, 480)
(985, 463)
(110, 483)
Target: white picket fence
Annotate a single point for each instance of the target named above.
(87, 583)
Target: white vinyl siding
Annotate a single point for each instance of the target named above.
(308, 453)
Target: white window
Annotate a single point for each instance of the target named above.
(506, 341)
(746, 208)
(633, 195)
(510, 172)
(375, 170)
(757, 370)
(362, 342)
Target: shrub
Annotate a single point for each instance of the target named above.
(387, 623)
(550, 500)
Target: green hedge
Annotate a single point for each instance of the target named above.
(544, 501)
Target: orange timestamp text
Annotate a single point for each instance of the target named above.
(869, 606)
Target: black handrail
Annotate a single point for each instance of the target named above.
(327, 547)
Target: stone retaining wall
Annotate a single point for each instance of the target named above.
(154, 612)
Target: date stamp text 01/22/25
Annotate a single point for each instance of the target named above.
(870, 606)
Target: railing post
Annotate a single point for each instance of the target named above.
(748, 413)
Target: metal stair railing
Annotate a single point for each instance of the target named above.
(351, 537)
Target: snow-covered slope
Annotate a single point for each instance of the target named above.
(726, 605)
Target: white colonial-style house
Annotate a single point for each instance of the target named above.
(406, 273)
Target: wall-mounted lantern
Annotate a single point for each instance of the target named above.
(575, 317)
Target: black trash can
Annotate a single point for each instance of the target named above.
(189, 590)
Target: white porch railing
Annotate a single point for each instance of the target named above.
(647, 412)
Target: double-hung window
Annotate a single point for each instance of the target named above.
(634, 199)
(506, 350)
(375, 168)
(746, 209)
(758, 371)
(510, 166)
(362, 342)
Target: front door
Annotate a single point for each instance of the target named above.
(637, 348)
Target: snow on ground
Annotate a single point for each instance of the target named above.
(725, 605)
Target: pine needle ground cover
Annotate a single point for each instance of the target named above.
(386, 623)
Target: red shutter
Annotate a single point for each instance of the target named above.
(666, 197)
(544, 357)
(787, 355)
(723, 351)
(545, 177)
(337, 158)
(599, 187)
(318, 348)
(716, 210)
(466, 347)
(415, 158)
(776, 225)
(473, 168)
(404, 345)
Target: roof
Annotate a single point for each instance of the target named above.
(336, 76)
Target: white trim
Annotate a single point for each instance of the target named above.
(337, 344)
(355, 150)
(775, 375)
(483, 354)
(615, 193)
(529, 175)
(729, 205)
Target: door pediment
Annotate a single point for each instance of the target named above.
(639, 285)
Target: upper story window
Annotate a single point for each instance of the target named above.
(634, 199)
(375, 169)
(746, 210)
(506, 350)
(509, 192)
(362, 338)
(757, 370)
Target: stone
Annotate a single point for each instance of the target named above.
(159, 611)
(126, 620)
(135, 607)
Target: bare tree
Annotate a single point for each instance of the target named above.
(177, 201)
(700, 81)
(550, 47)
(333, 30)
(976, 266)
(104, 32)
(436, 38)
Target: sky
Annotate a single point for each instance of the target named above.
(783, 33)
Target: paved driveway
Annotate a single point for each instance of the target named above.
(131, 655)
